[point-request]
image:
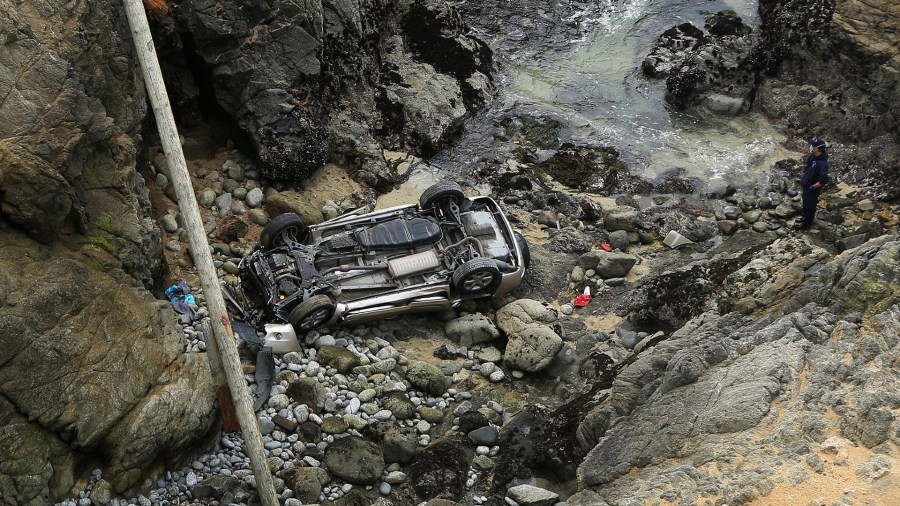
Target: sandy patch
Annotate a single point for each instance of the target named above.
(331, 183)
(839, 482)
(534, 234)
(604, 323)
(408, 192)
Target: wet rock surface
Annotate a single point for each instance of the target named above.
(770, 353)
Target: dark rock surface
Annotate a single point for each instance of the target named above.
(335, 80)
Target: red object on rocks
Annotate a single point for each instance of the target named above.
(583, 299)
(606, 247)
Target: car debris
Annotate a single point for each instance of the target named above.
(674, 239)
(363, 265)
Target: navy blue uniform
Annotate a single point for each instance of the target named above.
(816, 172)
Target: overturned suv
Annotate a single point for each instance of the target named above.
(429, 256)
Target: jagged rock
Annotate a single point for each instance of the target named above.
(671, 47)
(355, 460)
(75, 171)
(471, 329)
(86, 331)
(774, 273)
(285, 82)
(440, 471)
(714, 77)
(855, 281)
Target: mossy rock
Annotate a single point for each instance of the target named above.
(339, 358)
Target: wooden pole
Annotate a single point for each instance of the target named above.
(190, 211)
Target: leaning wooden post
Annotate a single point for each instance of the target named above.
(227, 350)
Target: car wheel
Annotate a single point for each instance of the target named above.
(523, 246)
(271, 235)
(441, 191)
(311, 313)
(477, 276)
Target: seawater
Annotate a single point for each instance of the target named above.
(592, 83)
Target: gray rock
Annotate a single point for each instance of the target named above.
(471, 329)
(254, 198)
(308, 391)
(619, 240)
(751, 216)
(102, 493)
(223, 202)
(398, 443)
(531, 496)
(258, 217)
(486, 436)
(615, 265)
(532, 349)
(169, 223)
(334, 425)
(306, 482)
(732, 212)
(522, 313)
(400, 405)
(727, 226)
(489, 354)
(784, 210)
(577, 274)
(354, 460)
(207, 198)
(620, 218)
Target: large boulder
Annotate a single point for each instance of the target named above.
(471, 329)
(532, 349)
(532, 344)
(96, 368)
(73, 100)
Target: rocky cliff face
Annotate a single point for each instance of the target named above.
(319, 80)
(71, 108)
(761, 401)
(91, 371)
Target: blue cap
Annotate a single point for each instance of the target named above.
(818, 143)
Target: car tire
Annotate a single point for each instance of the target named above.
(441, 191)
(523, 246)
(270, 237)
(479, 276)
(311, 313)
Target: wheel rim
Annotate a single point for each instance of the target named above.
(478, 281)
(314, 319)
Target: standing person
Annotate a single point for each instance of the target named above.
(814, 178)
